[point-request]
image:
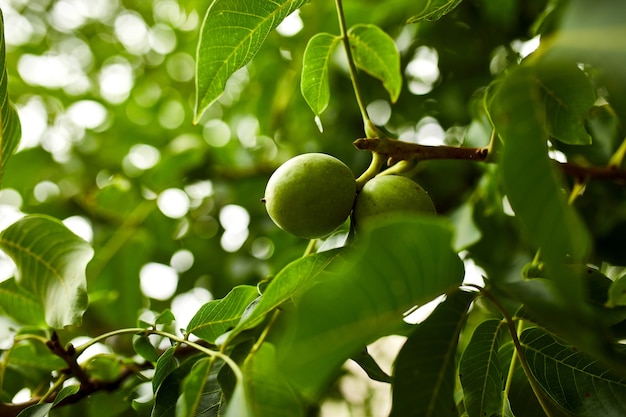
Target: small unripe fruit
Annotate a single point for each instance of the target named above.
(389, 196)
(310, 195)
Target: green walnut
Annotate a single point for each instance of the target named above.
(310, 195)
(388, 196)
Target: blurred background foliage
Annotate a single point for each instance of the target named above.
(105, 92)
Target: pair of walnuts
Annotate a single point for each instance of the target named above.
(312, 194)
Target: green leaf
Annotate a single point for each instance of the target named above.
(370, 366)
(269, 394)
(375, 52)
(51, 262)
(568, 97)
(572, 378)
(314, 80)
(617, 292)
(239, 405)
(66, 392)
(37, 410)
(165, 402)
(20, 304)
(291, 281)
(164, 366)
(33, 356)
(217, 316)
(425, 368)
(201, 394)
(145, 348)
(480, 372)
(231, 34)
(433, 9)
(533, 186)
(395, 267)
(166, 317)
(544, 305)
(597, 38)
(10, 127)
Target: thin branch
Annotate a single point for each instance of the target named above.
(396, 150)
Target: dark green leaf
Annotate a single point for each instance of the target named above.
(597, 38)
(433, 9)
(572, 378)
(217, 316)
(20, 304)
(169, 389)
(425, 369)
(201, 394)
(269, 394)
(164, 366)
(315, 65)
(395, 267)
(617, 292)
(10, 127)
(231, 34)
(480, 372)
(532, 184)
(145, 348)
(370, 366)
(375, 52)
(568, 97)
(51, 262)
(291, 281)
(166, 318)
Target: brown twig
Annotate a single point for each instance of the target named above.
(396, 150)
(88, 385)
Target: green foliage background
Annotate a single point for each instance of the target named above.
(570, 91)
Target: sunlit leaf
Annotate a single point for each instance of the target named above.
(231, 34)
(292, 280)
(314, 80)
(573, 379)
(480, 371)
(268, 392)
(20, 304)
(51, 262)
(10, 127)
(425, 369)
(375, 52)
(433, 9)
(217, 316)
(397, 266)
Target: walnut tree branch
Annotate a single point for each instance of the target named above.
(396, 150)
